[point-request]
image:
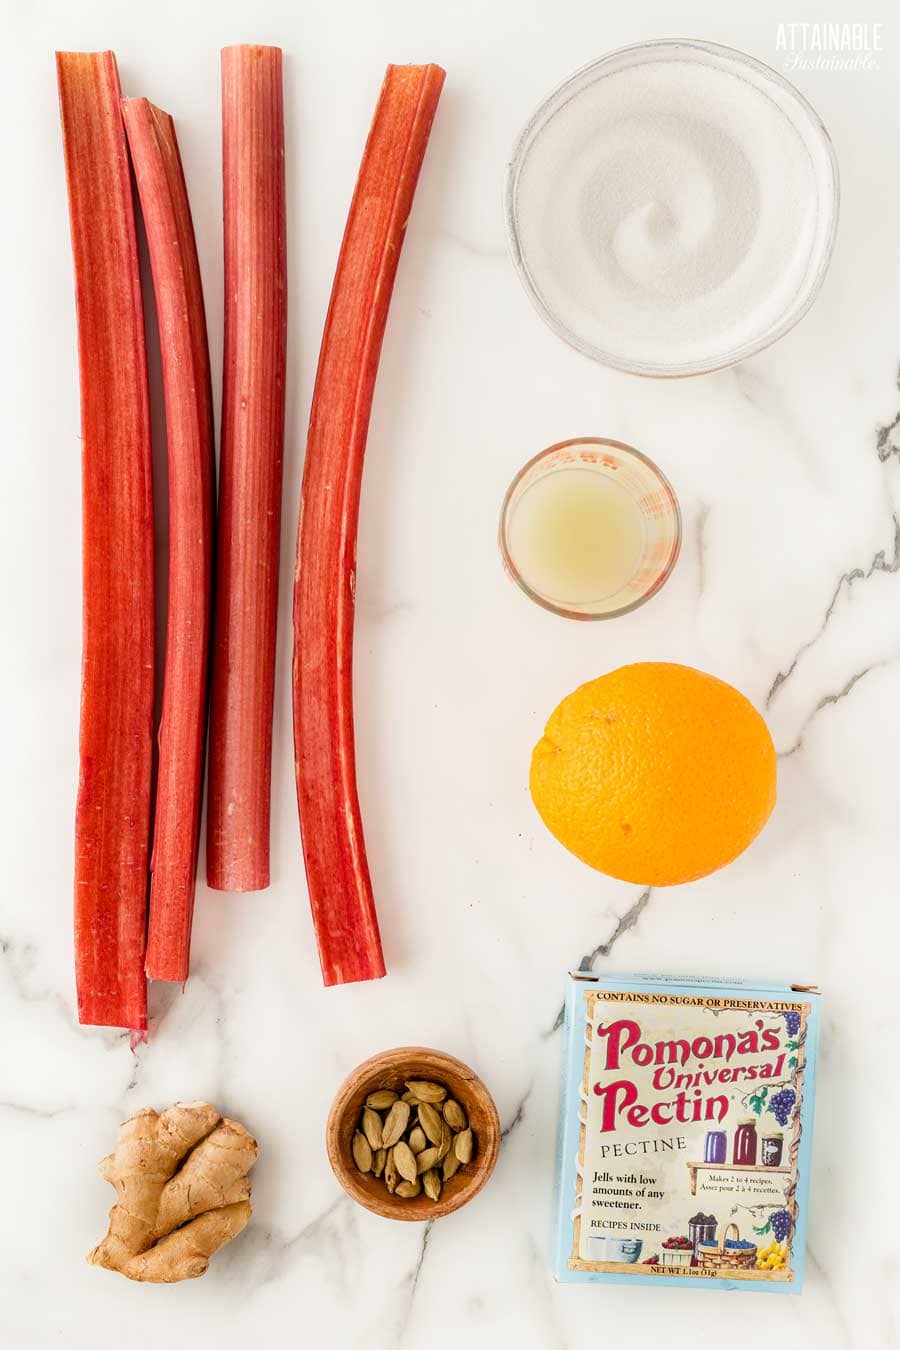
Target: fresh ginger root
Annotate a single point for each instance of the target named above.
(183, 1192)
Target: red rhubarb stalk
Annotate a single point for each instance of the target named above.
(112, 823)
(188, 399)
(243, 661)
(340, 889)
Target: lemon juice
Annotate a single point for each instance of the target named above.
(576, 536)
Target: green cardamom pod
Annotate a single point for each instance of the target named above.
(362, 1152)
(431, 1122)
(451, 1165)
(406, 1161)
(417, 1140)
(371, 1127)
(431, 1183)
(446, 1140)
(464, 1146)
(382, 1100)
(427, 1092)
(427, 1159)
(395, 1123)
(454, 1115)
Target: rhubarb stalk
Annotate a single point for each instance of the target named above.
(112, 822)
(337, 871)
(243, 661)
(188, 401)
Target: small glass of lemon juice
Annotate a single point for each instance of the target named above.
(590, 528)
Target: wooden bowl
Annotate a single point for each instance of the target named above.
(392, 1069)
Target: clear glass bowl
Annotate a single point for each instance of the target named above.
(568, 153)
(646, 487)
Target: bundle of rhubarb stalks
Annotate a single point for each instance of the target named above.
(138, 817)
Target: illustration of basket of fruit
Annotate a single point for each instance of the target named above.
(730, 1253)
(676, 1251)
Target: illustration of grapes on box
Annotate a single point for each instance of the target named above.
(774, 1255)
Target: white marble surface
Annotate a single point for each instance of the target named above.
(788, 470)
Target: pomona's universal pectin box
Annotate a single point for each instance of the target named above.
(685, 1132)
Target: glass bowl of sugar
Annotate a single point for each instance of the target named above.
(671, 208)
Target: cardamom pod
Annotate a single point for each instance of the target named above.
(431, 1122)
(408, 1189)
(379, 1161)
(371, 1125)
(427, 1159)
(446, 1141)
(451, 1165)
(464, 1146)
(454, 1115)
(427, 1092)
(405, 1160)
(431, 1184)
(382, 1100)
(362, 1152)
(395, 1123)
(391, 1175)
(417, 1140)
(410, 1098)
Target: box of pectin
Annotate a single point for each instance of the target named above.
(685, 1132)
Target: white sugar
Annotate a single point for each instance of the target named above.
(670, 209)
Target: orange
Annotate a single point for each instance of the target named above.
(655, 773)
